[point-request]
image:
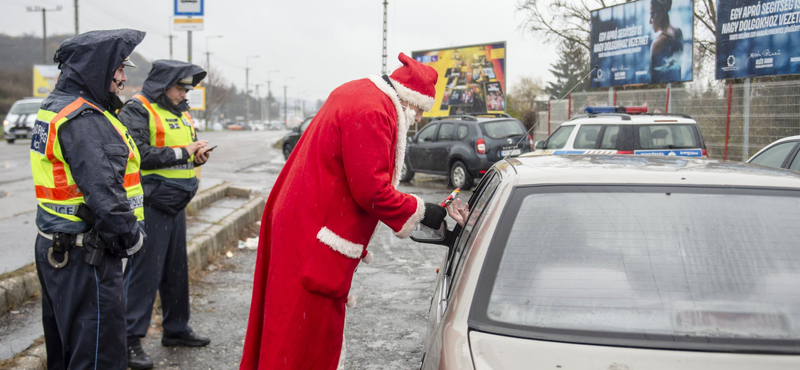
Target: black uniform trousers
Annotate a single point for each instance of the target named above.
(161, 266)
(83, 311)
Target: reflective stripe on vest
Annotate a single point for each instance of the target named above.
(55, 188)
(169, 130)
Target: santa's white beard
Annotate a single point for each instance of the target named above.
(411, 116)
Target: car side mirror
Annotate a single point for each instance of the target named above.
(424, 234)
(539, 144)
(296, 129)
(409, 139)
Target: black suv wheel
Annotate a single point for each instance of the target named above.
(406, 174)
(459, 176)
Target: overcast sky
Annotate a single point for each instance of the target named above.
(320, 44)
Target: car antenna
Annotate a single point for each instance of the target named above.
(551, 108)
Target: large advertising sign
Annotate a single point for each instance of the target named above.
(44, 79)
(757, 38)
(471, 78)
(647, 41)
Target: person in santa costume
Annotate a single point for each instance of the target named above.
(339, 182)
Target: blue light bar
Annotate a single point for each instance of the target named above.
(598, 110)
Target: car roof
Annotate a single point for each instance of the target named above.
(472, 118)
(628, 119)
(29, 100)
(627, 169)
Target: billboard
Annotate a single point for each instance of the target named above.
(647, 41)
(472, 78)
(758, 38)
(44, 79)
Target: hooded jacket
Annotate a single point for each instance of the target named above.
(164, 194)
(91, 145)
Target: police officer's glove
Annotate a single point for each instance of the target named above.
(434, 215)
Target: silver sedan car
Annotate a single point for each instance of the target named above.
(620, 262)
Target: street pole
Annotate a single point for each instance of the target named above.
(76, 17)
(44, 26)
(269, 93)
(189, 57)
(385, 17)
(210, 76)
(247, 86)
(285, 115)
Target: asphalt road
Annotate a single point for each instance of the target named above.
(245, 158)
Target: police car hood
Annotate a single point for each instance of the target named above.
(88, 61)
(167, 73)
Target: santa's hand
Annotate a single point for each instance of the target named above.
(434, 215)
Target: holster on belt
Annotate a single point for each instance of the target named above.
(94, 247)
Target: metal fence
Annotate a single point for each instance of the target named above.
(736, 120)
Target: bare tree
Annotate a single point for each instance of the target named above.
(526, 91)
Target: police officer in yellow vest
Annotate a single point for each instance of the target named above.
(86, 175)
(162, 128)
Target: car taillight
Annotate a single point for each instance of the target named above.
(530, 141)
(625, 152)
(705, 153)
(481, 146)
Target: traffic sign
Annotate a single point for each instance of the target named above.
(188, 24)
(189, 8)
(197, 98)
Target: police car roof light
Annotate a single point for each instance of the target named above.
(598, 110)
(631, 110)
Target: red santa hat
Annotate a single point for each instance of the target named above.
(415, 82)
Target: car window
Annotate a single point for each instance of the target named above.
(26, 108)
(502, 129)
(477, 204)
(610, 137)
(587, 137)
(445, 132)
(305, 124)
(559, 138)
(463, 131)
(643, 265)
(774, 156)
(667, 137)
(426, 135)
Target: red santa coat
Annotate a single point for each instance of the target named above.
(336, 186)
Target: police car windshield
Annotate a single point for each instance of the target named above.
(26, 108)
(692, 268)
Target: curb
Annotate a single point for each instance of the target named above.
(199, 250)
(205, 198)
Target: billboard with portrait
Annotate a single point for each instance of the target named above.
(471, 78)
(642, 42)
(758, 38)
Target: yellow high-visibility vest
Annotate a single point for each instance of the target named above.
(169, 130)
(56, 190)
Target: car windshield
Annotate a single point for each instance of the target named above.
(559, 138)
(667, 136)
(26, 108)
(502, 129)
(691, 268)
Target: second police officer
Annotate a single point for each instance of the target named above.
(163, 130)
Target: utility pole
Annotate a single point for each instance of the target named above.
(247, 85)
(269, 94)
(44, 26)
(385, 54)
(285, 116)
(76, 17)
(189, 47)
(171, 36)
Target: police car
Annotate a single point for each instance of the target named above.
(625, 130)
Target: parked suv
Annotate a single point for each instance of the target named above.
(625, 130)
(19, 121)
(464, 147)
(291, 138)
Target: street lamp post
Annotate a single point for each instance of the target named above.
(285, 116)
(44, 26)
(211, 75)
(269, 93)
(247, 85)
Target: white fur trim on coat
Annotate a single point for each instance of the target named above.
(412, 221)
(402, 127)
(339, 244)
(413, 97)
